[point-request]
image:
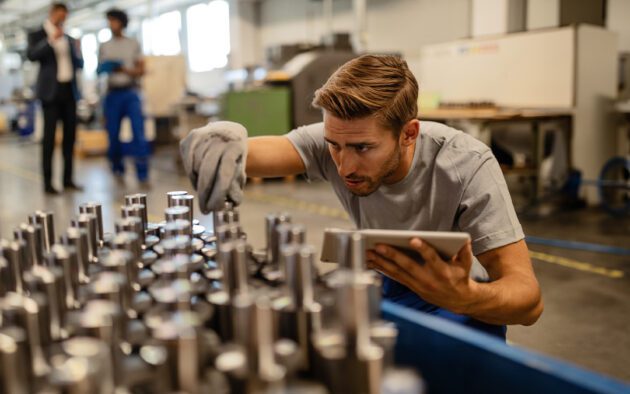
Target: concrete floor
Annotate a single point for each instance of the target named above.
(587, 308)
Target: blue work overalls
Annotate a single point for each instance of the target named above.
(118, 104)
(400, 294)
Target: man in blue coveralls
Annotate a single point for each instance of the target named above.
(121, 59)
(392, 171)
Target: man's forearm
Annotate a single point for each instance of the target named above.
(36, 51)
(272, 156)
(505, 301)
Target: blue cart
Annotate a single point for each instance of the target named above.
(456, 359)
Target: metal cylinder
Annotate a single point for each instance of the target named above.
(299, 264)
(78, 239)
(232, 259)
(174, 294)
(137, 211)
(343, 244)
(89, 223)
(282, 237)
(186, 200)
(139, 198)
(103, 320)
(176, 212)
(32, 236)
(49, 281)
(6, 277)
(29, 313)
(96, 209)
(223, 234)
(253, 320)
(121, 261)
(180, 337)
(87, 367)
(65, 257)
(12, 253)
(177, 227)
(46, 221)
(180, 244)
(131, 224)
(14, 360)
(235, 216)
(297, 234)
(111, 286)
(231, 217)
(271, 222)
(170, 195)
(218, 220)
(357, 253)
(129, 242)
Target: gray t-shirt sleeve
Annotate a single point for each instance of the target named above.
(486, 210)
(311, 146)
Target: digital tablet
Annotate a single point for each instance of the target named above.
(446, 243)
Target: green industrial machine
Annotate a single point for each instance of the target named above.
(284, 101)
(263, 111)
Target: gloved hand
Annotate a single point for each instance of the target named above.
(214, 159)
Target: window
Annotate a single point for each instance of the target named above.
(208, 35)
(160, 36)
(89, 49)
(104, 35)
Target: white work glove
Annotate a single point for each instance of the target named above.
(214, 160)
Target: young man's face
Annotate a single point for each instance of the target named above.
(115, 26)
(365, 153)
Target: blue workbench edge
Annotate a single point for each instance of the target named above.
(526, 365)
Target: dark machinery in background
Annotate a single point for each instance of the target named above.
(283, 102)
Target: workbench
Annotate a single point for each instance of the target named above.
(479, 122)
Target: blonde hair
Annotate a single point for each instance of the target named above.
(379, 85)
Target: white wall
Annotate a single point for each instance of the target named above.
(542, 13)
(618, 20)
(392, 25)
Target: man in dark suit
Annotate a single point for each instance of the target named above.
(59, 58)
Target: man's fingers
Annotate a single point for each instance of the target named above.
(427, 251)
(464, 257)
(404, 261)
(226, 176)
(387, 268)
(206, 176)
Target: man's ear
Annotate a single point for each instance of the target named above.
(409, 132)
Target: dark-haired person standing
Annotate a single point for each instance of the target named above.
(59, 59)
(121, 58)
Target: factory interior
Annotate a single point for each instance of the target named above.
(149, 246)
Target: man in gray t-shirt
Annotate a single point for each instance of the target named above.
(392, 171)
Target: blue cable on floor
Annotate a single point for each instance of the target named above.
(586, 246)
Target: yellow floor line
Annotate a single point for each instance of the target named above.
(299, 205)
(577, 265)
(21, 172)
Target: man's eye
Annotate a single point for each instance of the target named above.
(334, 147)
(362, 148)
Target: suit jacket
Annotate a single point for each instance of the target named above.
(39, 50)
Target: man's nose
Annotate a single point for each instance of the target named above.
(347, 164)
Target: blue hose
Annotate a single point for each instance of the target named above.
(586, 246)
